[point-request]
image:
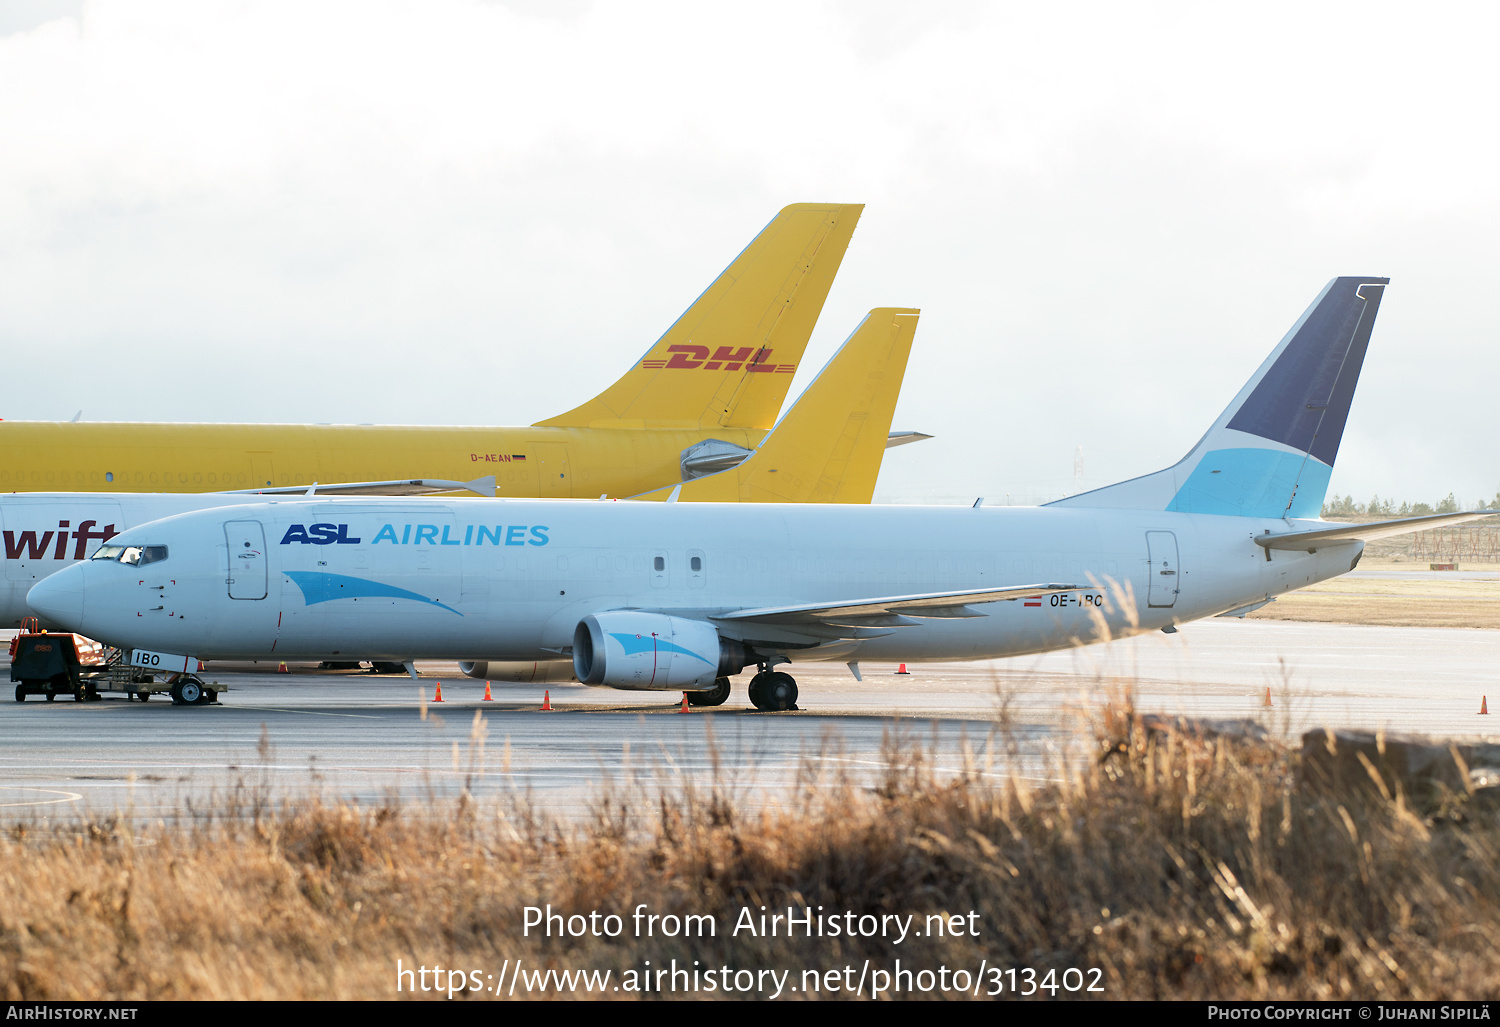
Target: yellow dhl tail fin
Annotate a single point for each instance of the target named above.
(828, 447)
(729, 359)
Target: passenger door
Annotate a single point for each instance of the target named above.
(247, 559)
(1162, 586)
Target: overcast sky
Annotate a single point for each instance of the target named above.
(458, 212)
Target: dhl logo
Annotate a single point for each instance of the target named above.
(33, 545)
(725, 357)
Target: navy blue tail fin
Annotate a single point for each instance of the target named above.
(1271, 452)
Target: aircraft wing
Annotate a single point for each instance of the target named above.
(1310, 540)
(406, 487)
(892, 611)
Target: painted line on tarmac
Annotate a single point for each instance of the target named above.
(309, 713)
(66, 797)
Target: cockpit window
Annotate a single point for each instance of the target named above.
(135, 555)
(107, 553)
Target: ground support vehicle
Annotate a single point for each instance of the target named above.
(50, 664)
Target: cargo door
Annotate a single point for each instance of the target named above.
(247, 559)
(554, 476)
(1162, 586)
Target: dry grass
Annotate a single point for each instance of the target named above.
(1181, 867)
(1394, 602)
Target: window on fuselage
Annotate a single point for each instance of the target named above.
(141, 555)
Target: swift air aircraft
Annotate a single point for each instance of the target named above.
(827, 448)
(681, 596)
(699, 400)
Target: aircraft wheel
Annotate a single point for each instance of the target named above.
(715, 696)
(20, 693)
(779, 692)
(387, 668)
(754, 690)
(51, 696)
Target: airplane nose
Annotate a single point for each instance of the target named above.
(58, 598)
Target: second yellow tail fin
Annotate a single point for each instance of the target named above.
(728, 360)
(828, 447)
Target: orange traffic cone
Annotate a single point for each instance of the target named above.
(487, 696)
(1267, 700)
(684, 703)
(903, 670)
(547, 700)
(439, 696)
(1484, 704)
(281, 667)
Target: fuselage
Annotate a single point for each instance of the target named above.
(511, 580)
(185, 458)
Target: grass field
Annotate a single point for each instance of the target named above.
(1161, 866)
(1422, 603)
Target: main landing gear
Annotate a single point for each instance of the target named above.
(773, 691)
(714, 696)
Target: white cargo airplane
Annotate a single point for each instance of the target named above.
(680, 596)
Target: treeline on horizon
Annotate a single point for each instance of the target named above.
(1346, 506)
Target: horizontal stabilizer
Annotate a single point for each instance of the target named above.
(405, 487)
(901, 438)
(927, 604)
(1311, 540)
(1242, 611)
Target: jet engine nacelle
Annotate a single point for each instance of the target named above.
(528, 671)
(651, 651)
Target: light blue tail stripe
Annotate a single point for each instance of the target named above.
(1254, 483)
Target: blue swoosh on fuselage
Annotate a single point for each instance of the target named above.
(318, 587)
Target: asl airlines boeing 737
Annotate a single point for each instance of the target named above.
(684, 595)
(699, 400)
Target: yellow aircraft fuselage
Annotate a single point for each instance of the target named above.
(532, 462)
